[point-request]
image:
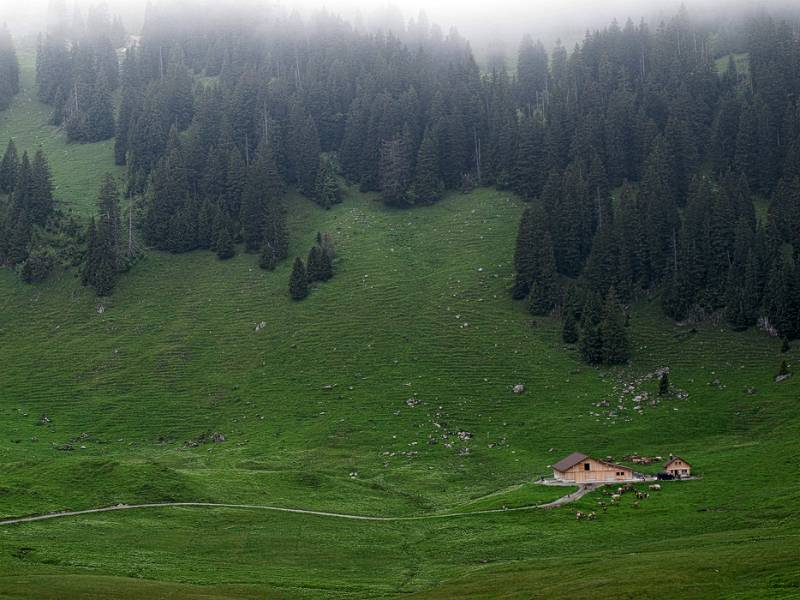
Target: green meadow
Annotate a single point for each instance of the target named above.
(108, 401)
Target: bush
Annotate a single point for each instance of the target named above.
(37, 266)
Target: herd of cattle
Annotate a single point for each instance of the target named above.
(614, 497)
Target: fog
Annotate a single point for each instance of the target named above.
(496, 23)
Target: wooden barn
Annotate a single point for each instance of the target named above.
(678, 468)
(582, 468)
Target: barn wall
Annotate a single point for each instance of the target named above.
(598, 471)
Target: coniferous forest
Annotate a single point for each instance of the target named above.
(649, 169)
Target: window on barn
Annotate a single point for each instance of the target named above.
(683, 471)
(586, 466)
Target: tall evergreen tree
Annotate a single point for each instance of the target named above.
(102, 254)
(535, 263)
(427, 186)
(8, 169)
(41, 198)
(298, 282)
(263, 192)
(591, 338)
(326, 188)
(616, 348)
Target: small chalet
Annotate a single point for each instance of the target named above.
(581, 468)
(678, 468)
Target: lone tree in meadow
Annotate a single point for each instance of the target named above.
(298, 282)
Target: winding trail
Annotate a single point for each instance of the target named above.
(582, 490)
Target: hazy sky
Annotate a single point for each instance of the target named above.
(503, 21)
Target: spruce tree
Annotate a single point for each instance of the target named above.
(8, 169)
(616, 348)
(41, 199)
(569, 328)
(261, 201)
(314, 264)
(326, 265)
(103, 260)
(395, 171)
(428, 186)
(223, 244)
(326, 188)
(268, 259)
(298, 282)
(591, 340)
(535, 262)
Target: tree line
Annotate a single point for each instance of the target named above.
(639, 156)
(77, 71)
(649, 164)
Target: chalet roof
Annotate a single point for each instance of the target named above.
(570, 461)
(673, 459)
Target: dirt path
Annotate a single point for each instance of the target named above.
(582, 491)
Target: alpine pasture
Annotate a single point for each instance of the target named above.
(108, 401)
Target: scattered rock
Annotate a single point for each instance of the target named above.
(779, 378)
(413, 402)
(519, 388)
(44, 420)
(261, 326)
(205, 438)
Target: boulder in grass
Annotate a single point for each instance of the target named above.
(519, 388)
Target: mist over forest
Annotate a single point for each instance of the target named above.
(490, 27)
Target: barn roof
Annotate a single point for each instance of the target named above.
(673, 459)
(570, 461)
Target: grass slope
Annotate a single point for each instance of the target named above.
(419, 307)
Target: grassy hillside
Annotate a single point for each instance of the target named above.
(110, 401)
(419, 308)
(78, 169)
